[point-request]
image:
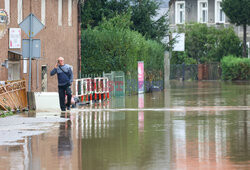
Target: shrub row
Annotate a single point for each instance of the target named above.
(112, 46)
(234, 68)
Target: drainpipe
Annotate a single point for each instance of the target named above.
(79, 38)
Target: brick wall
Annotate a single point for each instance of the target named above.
(56, 40)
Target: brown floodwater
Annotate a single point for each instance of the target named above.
(192, 125)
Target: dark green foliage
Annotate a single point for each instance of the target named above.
(142, 14)
(234, 68)
(94, 10)
(205, 44)
(112, 46)
(238, 12)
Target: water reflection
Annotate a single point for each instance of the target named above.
(65, 138)
(186, 139)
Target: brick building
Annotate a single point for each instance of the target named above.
(59, 37)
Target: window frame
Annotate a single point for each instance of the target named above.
(177, 12)
(200, 11)
(217, 12)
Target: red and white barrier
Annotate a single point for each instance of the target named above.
(88, 88)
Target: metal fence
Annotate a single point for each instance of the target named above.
(184, 72)
(211, 71)
(116, 83)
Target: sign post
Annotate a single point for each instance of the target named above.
(31, 26)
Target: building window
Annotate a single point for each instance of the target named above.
(43, 11)
(19, 11)
(7, 8)
(60, 12)
(219, 14)
(179, 12)
(202, 11)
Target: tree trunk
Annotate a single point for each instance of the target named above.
(244, 40)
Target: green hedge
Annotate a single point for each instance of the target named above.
(112, 46)
(234, 68)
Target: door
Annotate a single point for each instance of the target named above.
(44, 79)
(14, 70)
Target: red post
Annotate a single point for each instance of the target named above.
(100, 96)
(95, 89)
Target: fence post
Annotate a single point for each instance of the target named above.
(183, 71)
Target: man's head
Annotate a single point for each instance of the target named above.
(60, 61)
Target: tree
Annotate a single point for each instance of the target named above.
(238, 12)
(94, 10)
(143, 15)
(205, 44)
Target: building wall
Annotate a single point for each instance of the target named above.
(191, 13)
(56, 40)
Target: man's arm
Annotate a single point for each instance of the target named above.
(53, 72)
(71, 75)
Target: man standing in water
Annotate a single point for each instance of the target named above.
(65, 79)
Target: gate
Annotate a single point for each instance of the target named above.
(116, 83)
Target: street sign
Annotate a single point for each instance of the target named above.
(3, 22)
(36, 25)
(31, 26)
(36, 48)
(15, 38)
(179, 45)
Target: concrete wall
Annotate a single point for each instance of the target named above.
(55, 40)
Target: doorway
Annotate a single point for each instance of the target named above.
(14, 70)
(44, 78)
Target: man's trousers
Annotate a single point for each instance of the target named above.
(62, 91)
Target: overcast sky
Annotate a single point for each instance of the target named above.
(164, 3)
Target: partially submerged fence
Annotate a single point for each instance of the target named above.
(116, 82)
(13, 95)
(210, 71)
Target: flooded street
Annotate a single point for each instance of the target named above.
(192, 125)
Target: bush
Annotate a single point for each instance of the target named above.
(207, 44)
(112, 46)
(234, 68)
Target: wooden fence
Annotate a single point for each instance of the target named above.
(13, 95)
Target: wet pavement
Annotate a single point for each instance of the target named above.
(192, 125)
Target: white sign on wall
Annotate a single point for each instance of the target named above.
(15, 38)
(179, 44)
